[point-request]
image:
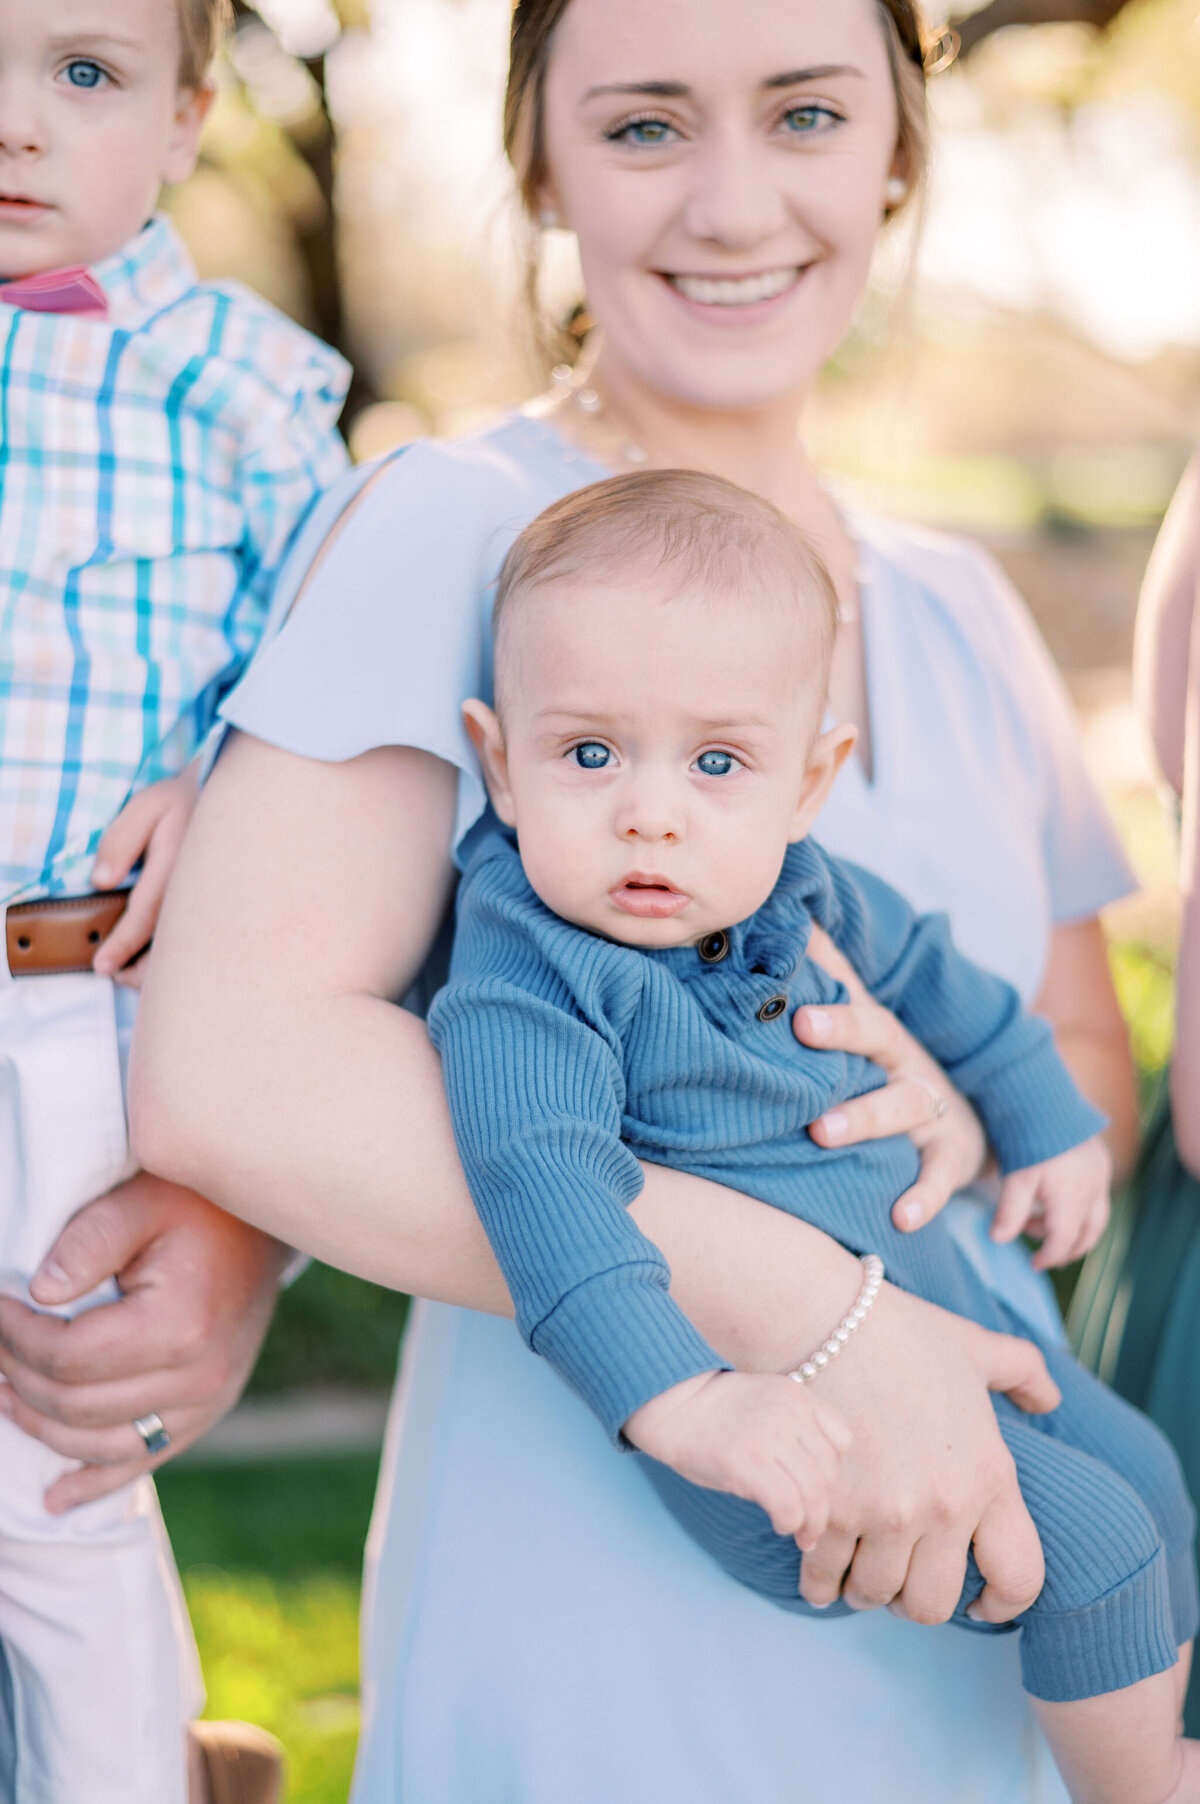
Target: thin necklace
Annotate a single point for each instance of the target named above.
(578, 394)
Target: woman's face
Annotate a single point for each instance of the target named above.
(723, 164)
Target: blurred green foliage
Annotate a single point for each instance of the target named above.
(330, 1328)
(271, 1558)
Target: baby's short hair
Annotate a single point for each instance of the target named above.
(707, 532)
(202, 25)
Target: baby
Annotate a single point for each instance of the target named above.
(622, 990)
(161, 441)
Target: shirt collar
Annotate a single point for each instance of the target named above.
(150, 273)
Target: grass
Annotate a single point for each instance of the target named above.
(271, 1557)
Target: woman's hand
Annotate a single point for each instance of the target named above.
(950, 1139)
(199, 1289)
(926, 1475)
(150, 827)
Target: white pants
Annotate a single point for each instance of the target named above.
(98, 1670)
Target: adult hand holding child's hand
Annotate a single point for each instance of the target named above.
(754, 1435)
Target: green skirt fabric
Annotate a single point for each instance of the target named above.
(1135, 1316)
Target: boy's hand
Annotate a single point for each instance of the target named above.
(150, 827)
(1063, 1203)
(755, 1435)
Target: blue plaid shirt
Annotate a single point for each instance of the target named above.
(154, 469)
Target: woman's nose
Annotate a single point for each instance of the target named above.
(734, 200)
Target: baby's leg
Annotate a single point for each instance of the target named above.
(1100, 1647)
(1124, 1747)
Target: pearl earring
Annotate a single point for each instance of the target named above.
(895, 190)
(548, 219)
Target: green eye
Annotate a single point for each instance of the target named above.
(646, 134)
(591, 755)
(716, 764)
(803, 121)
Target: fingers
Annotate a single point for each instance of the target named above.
(940, 1178)
(899, 1108)
(824, 1567)
(935, 1580)
(834, 1427)
(117, 1446)
(1063, 1231)
(135, 928)
(87, 1483)
(88, 1406)
(1018, 1193)
(97, 1243)
(1017, 1368)
(1009, 1555)
(862, 1027)
(129, 835)
(877, 1571)
(116, 1341)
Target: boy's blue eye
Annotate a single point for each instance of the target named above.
(716, 764)
(83, 73)
(591, 755)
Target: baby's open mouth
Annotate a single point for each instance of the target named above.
(735, 291)
(648, 896)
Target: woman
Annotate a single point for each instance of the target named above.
(537, 1630)
(1134, 1313)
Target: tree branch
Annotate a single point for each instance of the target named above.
(998, 14)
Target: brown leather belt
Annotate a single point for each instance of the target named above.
(43, 938)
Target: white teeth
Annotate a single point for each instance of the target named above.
(740, 291)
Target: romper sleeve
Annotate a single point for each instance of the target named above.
(529, 1032)
(1085, 863)
(380, 630)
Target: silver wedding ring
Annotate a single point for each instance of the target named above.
(153, 1433)
(936, 1099)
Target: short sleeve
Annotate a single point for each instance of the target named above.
(390, 633)
(1085, 863)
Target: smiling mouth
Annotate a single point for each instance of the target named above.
(736, 291)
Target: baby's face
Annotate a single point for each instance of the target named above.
(657, 754)
(92, 123)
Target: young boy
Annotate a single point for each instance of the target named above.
(622, 990)
(160, 443)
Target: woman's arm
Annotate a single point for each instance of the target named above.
(1078, 999)
(1164, 627)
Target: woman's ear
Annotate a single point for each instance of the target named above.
(484, 730)
(829, 752)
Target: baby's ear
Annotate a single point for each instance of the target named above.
(484, 729)
(829, 752)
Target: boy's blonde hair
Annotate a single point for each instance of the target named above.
(709, 534)
(202, 25)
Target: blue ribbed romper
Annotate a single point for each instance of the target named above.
(569, 1058)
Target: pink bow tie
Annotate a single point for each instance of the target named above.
(57, 291)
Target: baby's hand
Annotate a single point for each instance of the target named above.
(1062, 1202)
(150, 827)
(756, 1435)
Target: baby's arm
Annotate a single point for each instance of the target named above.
(530, 1053)
(1043, 1132)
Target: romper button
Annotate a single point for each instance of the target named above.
(772, 1008)
(714, 947)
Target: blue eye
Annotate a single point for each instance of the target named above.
(716, 764)
(591, 755)
(804, 120)
(83, 73)
(645, 134)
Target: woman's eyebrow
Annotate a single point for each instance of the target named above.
(679, 90)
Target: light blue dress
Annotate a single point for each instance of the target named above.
(538, 1629)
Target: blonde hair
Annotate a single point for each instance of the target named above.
(709, 534)
(202, 25)
(530, 42)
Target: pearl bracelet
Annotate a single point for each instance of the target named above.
(872, 1266)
